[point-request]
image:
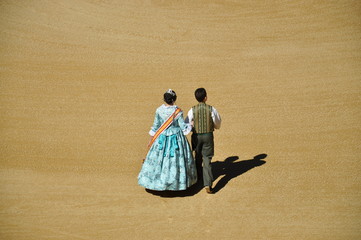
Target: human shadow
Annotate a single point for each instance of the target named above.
(191, 191)
(232, 168)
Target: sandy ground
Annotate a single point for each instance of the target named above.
(80, 81)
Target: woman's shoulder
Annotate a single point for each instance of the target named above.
(164, 107)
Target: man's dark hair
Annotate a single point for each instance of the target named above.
(200, 94)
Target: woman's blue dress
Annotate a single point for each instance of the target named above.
(169, 164)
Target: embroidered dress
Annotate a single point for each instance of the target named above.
(169, 164)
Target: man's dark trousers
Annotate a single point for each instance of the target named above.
(203, 145)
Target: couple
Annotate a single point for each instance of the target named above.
(169, 164)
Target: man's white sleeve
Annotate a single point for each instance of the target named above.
(216, 118)
(189, 117)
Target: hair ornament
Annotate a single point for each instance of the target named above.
(171, 92)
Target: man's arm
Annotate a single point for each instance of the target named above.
(189, 118)
(216, 118)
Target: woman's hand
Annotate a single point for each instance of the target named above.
(150, 141)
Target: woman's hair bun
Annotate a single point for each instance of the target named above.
(170, 96)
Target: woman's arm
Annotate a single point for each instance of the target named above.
(156, 124)
(186, 127)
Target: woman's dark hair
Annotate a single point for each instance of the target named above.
(170, 96)
(200, 94)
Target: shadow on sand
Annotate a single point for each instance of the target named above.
(186, 193)
(230, 168)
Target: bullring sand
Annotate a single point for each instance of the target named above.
(80, 81)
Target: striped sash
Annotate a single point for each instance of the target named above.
(165, 125)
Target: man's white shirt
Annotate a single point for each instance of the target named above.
(215, 116)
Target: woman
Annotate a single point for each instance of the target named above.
(169, 164)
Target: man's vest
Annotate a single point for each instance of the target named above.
(202, 118)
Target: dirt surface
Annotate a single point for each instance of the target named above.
(80, 82)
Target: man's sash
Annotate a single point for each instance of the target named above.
(165, 125)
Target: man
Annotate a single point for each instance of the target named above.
(204, 119)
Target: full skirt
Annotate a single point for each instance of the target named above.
(169, 165)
